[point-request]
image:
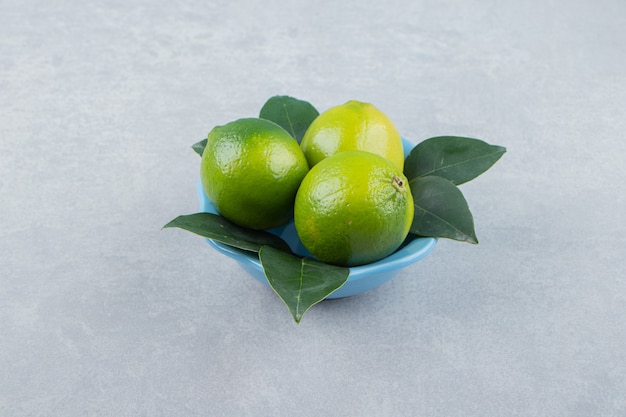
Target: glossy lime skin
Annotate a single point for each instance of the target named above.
(251, 170)
(354, 125)
(353, 208)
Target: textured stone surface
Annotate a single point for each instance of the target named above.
(104, 314)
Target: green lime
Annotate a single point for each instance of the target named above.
(353, 208)
(251, 170)
(354, 125)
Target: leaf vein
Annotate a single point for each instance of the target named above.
(293, 130)
(444, 221)
(442, 167)
(301, 282)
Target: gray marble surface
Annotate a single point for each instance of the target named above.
(104, 314)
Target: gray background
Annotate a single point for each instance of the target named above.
(104, 314)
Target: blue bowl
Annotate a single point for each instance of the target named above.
(361, 279)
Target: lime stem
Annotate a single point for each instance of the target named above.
(398, 183)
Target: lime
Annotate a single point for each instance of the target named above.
(353, 208)
(251, 170)
(354, 125)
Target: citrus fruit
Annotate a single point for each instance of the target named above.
(251, 170)
(354, 125)
(353, 208)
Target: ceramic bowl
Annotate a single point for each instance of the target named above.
(362, 278)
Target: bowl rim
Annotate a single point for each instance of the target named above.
(411, 252)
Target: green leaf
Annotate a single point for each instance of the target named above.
(291, 114)
(218, 228)
(300, 282)
(441, 210)
(455, 158)
(199, 146)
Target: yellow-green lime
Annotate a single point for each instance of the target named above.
(251, 170)
(353, 208)
(354, 125)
